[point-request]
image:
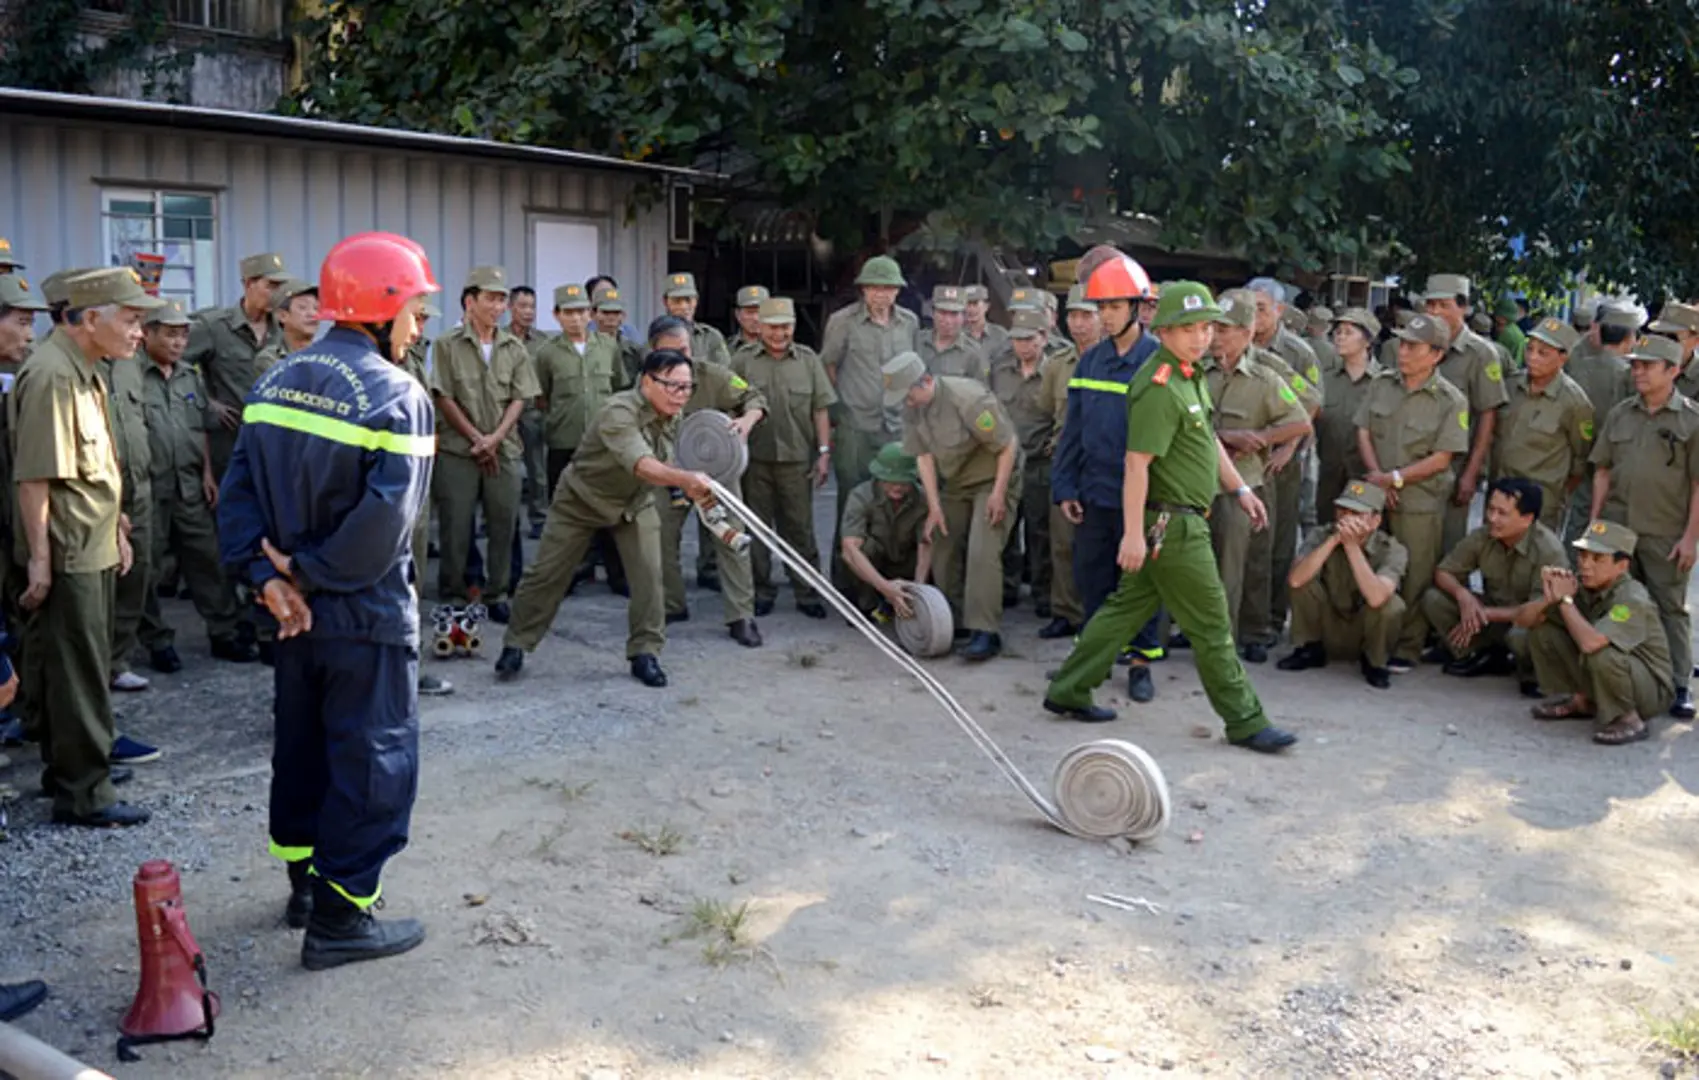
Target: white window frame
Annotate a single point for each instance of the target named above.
(201, 268)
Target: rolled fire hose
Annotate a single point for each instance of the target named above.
(707, 444)
(931, 630)
(28, 1058)
(1104, 789)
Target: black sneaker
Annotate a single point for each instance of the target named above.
(1270, 740)
(510, 661)
(1682, 709)
(1253, 653)
(128, 751)
(1377, 677)
(1140, 686)
(1304, 657)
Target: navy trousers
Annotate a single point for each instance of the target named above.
(1097, 543)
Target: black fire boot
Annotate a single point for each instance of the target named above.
(340, 932)
(300, 906)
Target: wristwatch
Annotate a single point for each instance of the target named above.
(824, 450)
(1397, 480)
(1570, 600)
(1242, 490)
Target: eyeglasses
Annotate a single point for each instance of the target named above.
(673, 386)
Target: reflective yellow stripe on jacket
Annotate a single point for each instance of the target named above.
(340, 431)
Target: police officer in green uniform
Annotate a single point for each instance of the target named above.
(1345, 584)
(1345, 384)
(481, 377)
(128, 413)
(9, 263)
(1485, 633)
(969, 460)
(1409, 428)
(1546, 431)
(608, 308)
(748, 312)
(534, 490)
(577, 372)
(1680, 322)
(1601, 370)
(706, 343)
(610, 485)
(223, 345)
(1085, 329)
(1318, 335)
(19, 305)
(790, 451)
(884, 542)
(945, 350)
(1646, 476)
(68, 534)
(1256, 413)
(1017, 380)
(1175, 466)
(1472, 365)
(295, 306)
(416, 363)
(1606, 651)
(990, 339)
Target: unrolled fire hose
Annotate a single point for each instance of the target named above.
(1104, 789)
(28, 1058)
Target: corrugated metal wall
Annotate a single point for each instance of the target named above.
(298, 198)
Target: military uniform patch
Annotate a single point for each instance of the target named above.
(1587, 430)
(1162, 374)
(1287, 395)
(1494, 372)
(738, 383)
(1314, 374)
(986, 421)
(1621, 614)
(1463, 419)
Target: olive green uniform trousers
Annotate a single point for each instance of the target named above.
(1257, 586)
(1345, 626)
(1287, 486)
(1443, 615)
(853, 452)
(968, 562)
(535, 490)
(1420, 534)
(188, 530)
(568, 531)
(1617, 682)
(1668, 586)
(737, 588)
(134, 590)
(1028, 551)
(1230, 538)
(68, 655)
(461, 488)
(1065, 602)
(781, 493)
(1580, 513)
(1181, 578)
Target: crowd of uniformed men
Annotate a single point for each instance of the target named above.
(982, 458)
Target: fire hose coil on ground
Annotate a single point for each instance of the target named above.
(1103, 789)
(931, 630)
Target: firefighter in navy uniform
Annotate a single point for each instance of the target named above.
(329, 473)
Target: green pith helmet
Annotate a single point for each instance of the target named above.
(881, 270)
(1184, 303)
(893, 466)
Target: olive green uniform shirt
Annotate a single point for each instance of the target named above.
(223, 346)
(61, 434)
(603, 469)
(719, 387)
(894, 527)
(483, 391)
(1510, 576)
(962, 359)
(1297, 355)
(1058, 373)
(964, 428)
(1169, 416)
(1310, 392)
(1472, 365)
(707, 343)
(176, 428)
(1336, 427)
(1387, 557)
(1252, 398)
(854, 350)
(1625, 614)
(991, 345)
(574, 386)
(1546, 436)
(795, 387)
(1602, 375)
(129, 424)
(1024, 397)
(1406, 426)
(1654, 462)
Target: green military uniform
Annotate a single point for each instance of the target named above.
(1065, 602)
(719, 388)
(891, 533)
(961, 358)
(992, 341)
(1511, 338)
(1630, 674)
(534, 489)
(1169, 417)
(964, 430)
(416, 364)
(483, 390)
(62, 436)
(16, 294)
(779, 485)
(1603, 376)
(1472, 365)
(1545, 436)
(575, 381)
(1404, 427)
(129, 427)
(183, 523)
(1653, 460)
(600, 490)
(1337, 458)
(1510, 577)
(278, 347)
(631, 353)
(1329, 609)
(224, 347)
(1265, 574)
(1675, 320)
(1023, 395)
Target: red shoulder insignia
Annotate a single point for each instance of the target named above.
(1161, 376)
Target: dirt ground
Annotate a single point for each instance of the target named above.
(1431, 885)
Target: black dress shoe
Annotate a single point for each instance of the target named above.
(299, 907)
(1484, 662)
(711, 582)
(813, 609)
(509, 662)
(235, 650)
(1270, 740)
(1085, 714)
(1310, 655)
(16, 999)
(745, 633)
(1058, 628)
(1253, 653)
(763, 608)
(678, 616)
(117, 816)
(983, 645)
(166, 660)
(1683, 707)
(647, 670)
(1377, 677)
(338, 932)
(1140, 686)
(499, 612)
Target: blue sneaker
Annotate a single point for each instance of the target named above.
(128, 751)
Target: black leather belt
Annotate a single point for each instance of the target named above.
(1175, 508)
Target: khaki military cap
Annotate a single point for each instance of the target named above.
(1238, 308)
(777, 311)
(1480, 324)
(1653, 347)
(607, 298)
(901, 372)
(1361, 317)
(1295, 320)
(948, 298)
(1628, 316)
(1608, 538)
(170, 313)
(268, 265)
(289, 290)
(1023, 298)
(1401, 318)
(1077, 300)
(487, 279)
(1362, 496)
(1582, 317)
(752, 295)
(115, 285)
(1556, 333)
(681, 286)
(1675, 319)
(1321, 318)
(56, 288)
(1028, 324)
(980, 293)
(571, 298)
(1426, 330)
(1446, 287)
(6, 255)
(16, 294)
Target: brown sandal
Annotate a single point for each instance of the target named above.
(1617, 733)
(1564, 709)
